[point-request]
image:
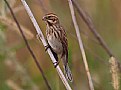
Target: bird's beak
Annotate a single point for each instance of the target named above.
(44, 18)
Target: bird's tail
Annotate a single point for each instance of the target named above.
(68, 73)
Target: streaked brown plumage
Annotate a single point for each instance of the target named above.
(57, 39)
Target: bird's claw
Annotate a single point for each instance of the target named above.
(38, 36)
(56, 64)
(46, 47)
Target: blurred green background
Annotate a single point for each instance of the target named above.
(17, 67)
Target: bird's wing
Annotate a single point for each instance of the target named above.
(64, 44)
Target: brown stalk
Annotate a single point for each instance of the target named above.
(90, 82)
(87, 19)
(27, 44)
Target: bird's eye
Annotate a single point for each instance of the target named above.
(53, 20)
(49, 16)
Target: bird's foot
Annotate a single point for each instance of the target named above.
(38, 36)
(47, 46)
(56, 64)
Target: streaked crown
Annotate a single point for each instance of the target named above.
(51, 18)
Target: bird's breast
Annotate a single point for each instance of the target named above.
(55, 43)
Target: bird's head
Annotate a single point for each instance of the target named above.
(51, 19)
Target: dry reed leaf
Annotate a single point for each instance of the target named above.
(13, 85)
(11, 24)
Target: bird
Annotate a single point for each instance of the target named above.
(57, 41)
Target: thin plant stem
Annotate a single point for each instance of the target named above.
(27, 44)
(81, 45)
(41, 38)
(87, 19)
(90, 24)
